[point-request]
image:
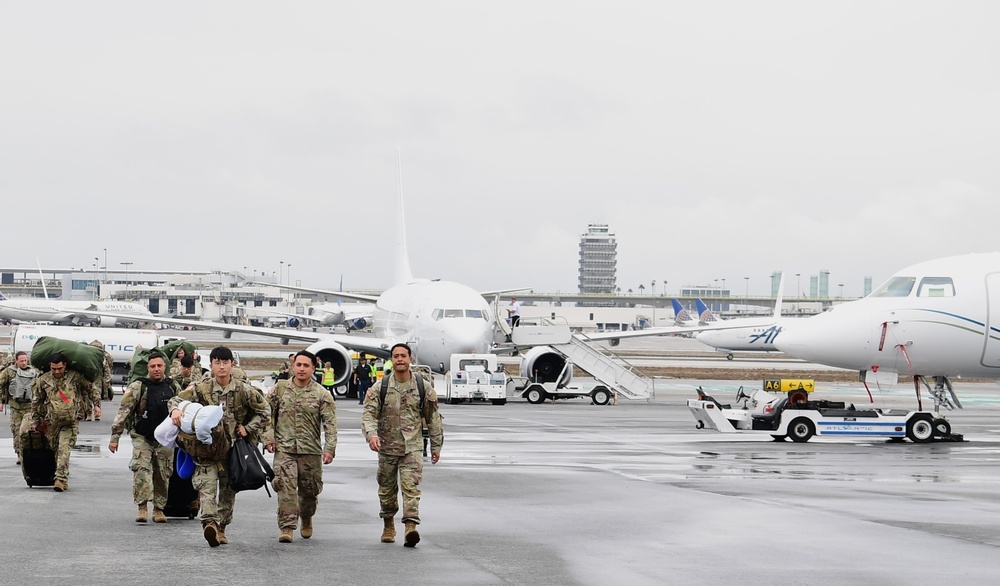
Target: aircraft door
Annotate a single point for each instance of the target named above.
(991, 347)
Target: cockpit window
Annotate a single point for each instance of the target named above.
(474, 313)
(936, 287)
(895, 287)
(453, 313)
(436, 314)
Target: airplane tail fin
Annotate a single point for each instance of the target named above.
(681, 315)
(403, 273)
(781, 292)
(705, 315)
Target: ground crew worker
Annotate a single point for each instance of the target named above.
(16, 382)
(299, 409)
(145, 403)
(244, 412)
(56, 399)
(392, 428)
(329, 376)
(363, 379)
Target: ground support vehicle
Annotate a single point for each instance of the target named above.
(475, 376)
(764, 413)
(536, 392)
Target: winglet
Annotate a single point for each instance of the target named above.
(781, 291)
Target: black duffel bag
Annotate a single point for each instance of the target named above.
(248, 470)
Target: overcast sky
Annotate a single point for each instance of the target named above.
(718, 140)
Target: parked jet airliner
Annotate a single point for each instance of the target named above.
(939, 318)
(748, 334)
(65, 312)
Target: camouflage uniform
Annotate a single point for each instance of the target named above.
(16, 409)
(297, 415)
(107, 393)
(185, 380)
(61, 436)
(241, 404)
(152, 464)
(399, 430)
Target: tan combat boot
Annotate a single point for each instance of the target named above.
(410, 537)
(389, 533)
(143, 514)
(158, 515)
(220, 534)
(60, 485)
(306, 531)
(286, 536)
(212, 534)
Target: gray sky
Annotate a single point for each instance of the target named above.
(718, 139)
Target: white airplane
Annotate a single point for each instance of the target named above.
(682, 317)
(751, 334)
(59, 311)
(353, 316)
(939, 318)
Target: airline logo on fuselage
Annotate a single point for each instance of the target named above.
(767, 335)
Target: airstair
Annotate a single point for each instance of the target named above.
(613, 371)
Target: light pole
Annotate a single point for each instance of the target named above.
(281, 271)
(746, 295)
(126, 265)
(664, 287)
(798, 285)
(105, 265)
(288, 275)
(841, 285)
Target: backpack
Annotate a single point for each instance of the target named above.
(152, 407)
(385, 389)
(20, 386)
(248, 470)
(62, 407)
(215, 451)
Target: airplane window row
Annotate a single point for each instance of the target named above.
(929, 287)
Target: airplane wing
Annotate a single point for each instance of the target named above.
(344, 294)
(295, 315)
(357, 342)
(665, 331)
(502, 291)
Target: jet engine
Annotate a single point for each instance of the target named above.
(293, 322)
(338, 356)
(106, 322)
(543, 364)
(359, 324)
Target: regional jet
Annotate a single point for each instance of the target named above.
(939, 319)
(748, 333)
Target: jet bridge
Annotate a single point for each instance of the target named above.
(613, 371)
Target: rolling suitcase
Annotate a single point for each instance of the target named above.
(38, 460)
(182, 498)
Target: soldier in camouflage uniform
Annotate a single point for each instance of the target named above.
(175, 364)
(394, 431)
(19, 406)
(103, 384)
(55, 401)
(300, 407)
(244, 412)
(152, 464)
(187, 373)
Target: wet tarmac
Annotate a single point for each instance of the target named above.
(560, 493)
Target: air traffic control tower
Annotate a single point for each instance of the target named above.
(598, 260)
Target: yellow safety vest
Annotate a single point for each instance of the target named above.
(328, 377)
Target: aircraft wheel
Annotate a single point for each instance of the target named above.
(600, 396)
(535, 395)
(340, 391)
(729, 356)
(801, 429)
(920, 428)
(942, 428)
(498, 401)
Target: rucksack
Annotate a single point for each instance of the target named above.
(20, 387)
(385, 389)
(152, 407)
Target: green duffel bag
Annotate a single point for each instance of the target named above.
(170, 350)
(82, 358)
(137, 367)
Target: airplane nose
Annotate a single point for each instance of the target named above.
(828, 338)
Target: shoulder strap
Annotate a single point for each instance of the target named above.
(385, 388)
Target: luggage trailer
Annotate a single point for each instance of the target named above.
(780, 417)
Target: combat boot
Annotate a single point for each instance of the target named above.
(143, 514)
(158, 516)
(410, 537)
(389, 533)
(220, 534)
(306, 531)
(212, 534)
(60, 485)
(286, 536)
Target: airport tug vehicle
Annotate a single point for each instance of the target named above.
(794, 415)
